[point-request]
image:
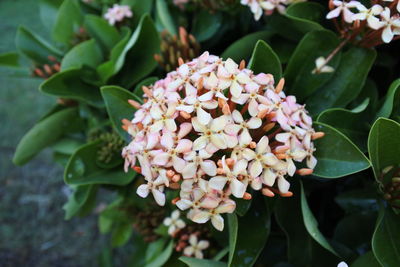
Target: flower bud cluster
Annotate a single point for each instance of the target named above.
(212, 129)
(382, 18)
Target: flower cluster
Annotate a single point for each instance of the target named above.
(212, 129)
(382, 17)
(258, 7)
(117, 13)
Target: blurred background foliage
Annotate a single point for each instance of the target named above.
(33, 231)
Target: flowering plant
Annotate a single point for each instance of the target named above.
(229, 133)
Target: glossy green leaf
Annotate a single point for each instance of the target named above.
(83, 170)
(67, 145)
(68, 84)
(384, 144)
(385, 242)
(337, 156)
(118, 108)
(242, 48)
(368, 259)
(121, 234)
(233, 232)
(312, 225)
(265, 60)
(193, 262)
(134, 59)
(346, 83)
(160, 257)
(302, 249)
(48, 11)
(87, 53)
(353, 124)
(82, 197)
(252, 234)
(355, 230)
(34, 47)
(98, 28)
(139, 8)
(206, 25)
(299, 19)
(69, 19)
(298, 74)
(391, 102)
(45, 133)
(242, 206)
(165, 17)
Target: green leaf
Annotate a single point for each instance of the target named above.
(34, 47)
(242, 48)
(133, 59)
(205, 25)
(99, 29)
(67, 145)
(69, 19)
(159, 255)
(139, 8)
(118, 108)
(137, 58)
(83, 197)
(353, 124)
(193, 262)
(45, 133)
(48, 11)
(368, 259)
(242, 206)
(298, 74)
(355, 230)
(233, 232)
(121, 234)
(384, 144)
(87, 53)
(165, 17)
(252, 234)
(337, 156)
(10, 59)
(302, 249)
(69, 84)
(385, 242)
(83, 170)
(312, 225)
(265, 60)
(299, 19)
(346, 83)
(391, 102)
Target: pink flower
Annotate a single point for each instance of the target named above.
(117, 13)
(197, 131)
(343, 7)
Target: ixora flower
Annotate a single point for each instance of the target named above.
(258, 7)
(211, 129)
(117, 13)
(196, 247)
(174, 222)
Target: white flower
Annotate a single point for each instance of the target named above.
(342, 264)
(343, 7)
(174, 223)
(196, 247)
(369, 15)
(391, 26)
(321, 66)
